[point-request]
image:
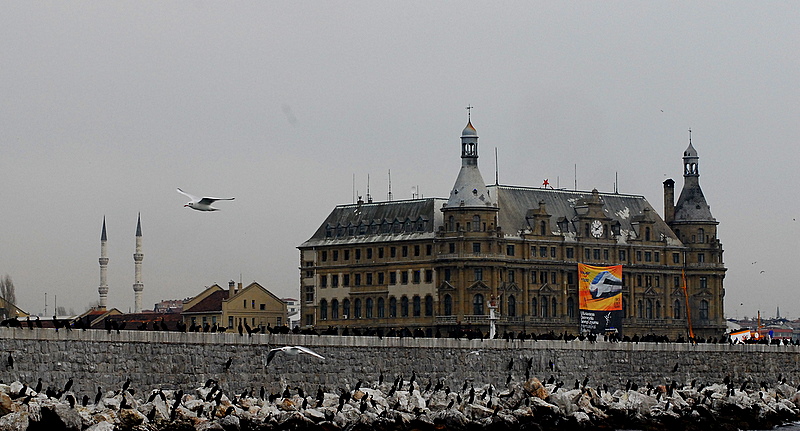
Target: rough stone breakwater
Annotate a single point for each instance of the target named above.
(389, 383)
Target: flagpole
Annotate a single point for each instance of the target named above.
(688, 308)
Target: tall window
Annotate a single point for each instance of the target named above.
(476, 247)
(417, 304)
(570, 308)
(554, 306)
(545, 306)
(639, 309)
(346, 309)
(658, 309)
(448, 305)
(534, 307)
(368, 308)
(335, 309)
(381, 305)
(392, 307)
(476, 223)
(649, 308)
(357, 308)
(676, 309)
(701, 235)
(512, 306)
(477, 304)
(323, 310)
(704, 310)
(404, 306)
(478, 274)
(428, 305)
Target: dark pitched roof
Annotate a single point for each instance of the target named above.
(212, 302)
(354, 223)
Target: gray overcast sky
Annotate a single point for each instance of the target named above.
(107, 107)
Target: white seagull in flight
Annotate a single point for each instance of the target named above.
(201, 204)
(292, 350)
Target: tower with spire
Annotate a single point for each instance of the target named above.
(103, 289)
(691, 220)
(138, 257)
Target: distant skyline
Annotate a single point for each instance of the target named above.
(289, 107)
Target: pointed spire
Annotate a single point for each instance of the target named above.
(139, 225)
(103, 234)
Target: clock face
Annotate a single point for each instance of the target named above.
(597, 229)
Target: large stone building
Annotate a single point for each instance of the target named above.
(438, 263)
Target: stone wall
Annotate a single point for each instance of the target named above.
(186, 360)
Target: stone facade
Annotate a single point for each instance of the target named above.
(438, 263)
(172, 360)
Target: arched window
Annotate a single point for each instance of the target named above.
(368, 308)
(704, 310)
(477, 305)
(381, 310)
(428, 305)
(335, 309)
(542, 228)
(392, 307)
(647, 234)
(404, 306)
(512, 306)
(639, 309)
(570, 307)
(701, 235)
(676, 310)
(448, 305)
(476, 223)
(346, 309)
(649, 308)
(357, 308)
(534, 307)
(554, 306)
(417, 304)
(658, 309)
(545, 306)
(323, 310)
(451, 224)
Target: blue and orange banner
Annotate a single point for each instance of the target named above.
(600, 298)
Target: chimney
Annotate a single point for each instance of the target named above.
(231, 288)
(669, 200)
(239, 287)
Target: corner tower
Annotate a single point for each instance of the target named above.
(103, 289)
(138, 257)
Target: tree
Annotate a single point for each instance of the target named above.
(7, 290)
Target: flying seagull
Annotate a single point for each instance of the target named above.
(201, 204)
(292, 350)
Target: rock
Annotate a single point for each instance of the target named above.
(287, 405)
(101, 426)
(16, 421)
(230, 423)
(130, 417)
(6, 405)
(536, 388)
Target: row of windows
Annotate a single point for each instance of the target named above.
(375, 308)
(375, 278)
(374, 228)
(369, 253)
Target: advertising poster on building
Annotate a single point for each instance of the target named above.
(600, 298)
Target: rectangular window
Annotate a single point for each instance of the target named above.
(381, 278)
(244, 303)
(358, 254)
(510, 250)
(570, 253)
(553, 252)
(596, 254)
(703, 283)
(476, 247)
(648, 280)
(638, 255)
(324, 255)
(393, 277)
(478, 272)
(416, 250)
(451, 247)
(369, 253)
(658, 281)
(657, 256)
(542, 251)
(346, 280)
(428, 249)
(622, 255)
(447, 274)
(405, 251)
(404, 277)
(570, 278)
(309, 274)
(347, 255)
(369, 279)
(543, 277)
(676, 281)
(392, 251)
(639, 280)
(253, 304)
(676, 258)
(380, 253)
(701, 257)
(587, 254)
(335, 255)
(648, 256)
(263, 307)
(605, 254)
(511, 275)
(429, 276)
(553, 277)
(323, 281)
(533, 251)
(357, 279)
(335, 280)
(416, 276)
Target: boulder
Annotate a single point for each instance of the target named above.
(16, 421)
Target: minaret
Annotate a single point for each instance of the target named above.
(138, 257)
(103, 289)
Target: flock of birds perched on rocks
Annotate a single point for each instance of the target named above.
(407, 402)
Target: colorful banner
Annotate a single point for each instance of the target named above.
(600, 298)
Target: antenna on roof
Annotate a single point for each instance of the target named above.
(576, 176)
(390, 185)
(496, 181)
(369, 198)
(354, 187)
(616, 182)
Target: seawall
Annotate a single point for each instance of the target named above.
(173, 360)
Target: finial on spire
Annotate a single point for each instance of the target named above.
(469, 112)
(139, 225)
(690, 135)
(103, 234)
